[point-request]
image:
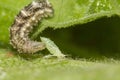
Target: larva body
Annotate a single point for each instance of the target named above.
(23, 24)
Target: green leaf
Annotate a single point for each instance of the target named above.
(104, 34)
(72, 12)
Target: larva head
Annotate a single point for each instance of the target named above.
(45, 6)
(48, 9)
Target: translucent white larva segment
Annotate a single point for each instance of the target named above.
(52, 47)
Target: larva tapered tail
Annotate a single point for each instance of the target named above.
(23, 24)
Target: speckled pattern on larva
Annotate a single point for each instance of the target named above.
(23, 24)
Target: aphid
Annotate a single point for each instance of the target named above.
(25, 21)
